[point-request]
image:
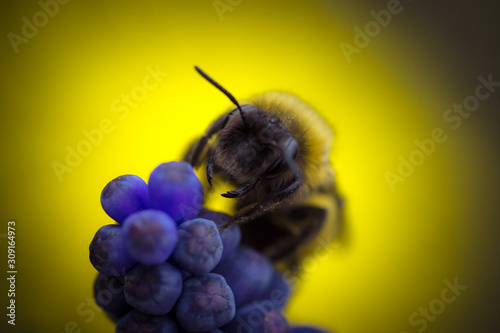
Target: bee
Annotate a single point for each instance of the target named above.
(274, 151)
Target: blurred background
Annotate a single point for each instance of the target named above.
(91, 90)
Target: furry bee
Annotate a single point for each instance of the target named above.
(275, 150)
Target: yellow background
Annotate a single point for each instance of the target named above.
(399, 247)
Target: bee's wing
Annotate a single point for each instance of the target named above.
(296, 230)
(332, 227)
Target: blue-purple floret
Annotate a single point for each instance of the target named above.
(206, 303)
(138, 322)
(230, 237)
(153, 289)
(199, 248)
(108, 251)
(257, 317)
(175, 189)
(247, 272)
(123, 196)
(151, 236)
(109, 296)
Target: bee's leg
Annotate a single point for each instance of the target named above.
(194, 152)
(239, 192)
(268, 203)
(210, 168)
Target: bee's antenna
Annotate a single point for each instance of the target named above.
(224, 91)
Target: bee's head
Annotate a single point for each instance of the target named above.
(253, 145)
(259, 147)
